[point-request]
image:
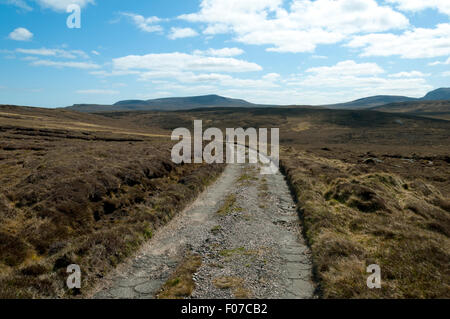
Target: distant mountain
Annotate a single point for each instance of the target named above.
(212, 101)
(372, 101)
(166, 104)
(187, 102)
(439, 109)
(442, 94)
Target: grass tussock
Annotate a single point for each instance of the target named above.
(246, 179)
(229, 206)
(181, 285)
(371, 188)
(82, 198)
(353, 218)
(236, 284)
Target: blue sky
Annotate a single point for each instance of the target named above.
(264, 51)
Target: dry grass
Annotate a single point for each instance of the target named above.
(236, 284)
(341, 166)
(229, 206)
(180, 284)
(353, 219)
(83, 197)
(246, 179)
(371, 188)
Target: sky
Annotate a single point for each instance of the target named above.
(303, 52)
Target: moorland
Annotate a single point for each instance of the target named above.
(372, 187)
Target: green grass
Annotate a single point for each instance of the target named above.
(229, 206)
(180, 284)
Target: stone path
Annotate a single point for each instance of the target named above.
(255, 244)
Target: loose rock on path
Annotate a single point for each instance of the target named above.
(247, 231)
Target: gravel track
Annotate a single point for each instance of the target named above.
(251, 249)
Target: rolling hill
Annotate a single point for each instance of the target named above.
(81, 188)
(433, 109)
(442, 94)
(438, 95)
(370, 102)
(211, 101)
(165, 104)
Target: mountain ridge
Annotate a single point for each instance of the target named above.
(214, 100)
(441, 94)
(166, 104)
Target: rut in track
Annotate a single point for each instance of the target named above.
(247, 232)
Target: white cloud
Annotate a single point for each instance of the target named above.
(56, 5)
(358, 80)
(202, 73)
(59, 64)
(447, 73)
(301, 27)
(30, 58)
(347, 68)
(61, 5)
(20, 4)
(225, 52)
(145, 24)
(442, 6)
(95, 52)
(271, 77)
(226, 80)
(412, 44)
(104, 73)
(72, 54)
(344, 81)
(97, 92)
(179, 33)
(440, 62)
(182, 62)
(412, 74)
(21, 34)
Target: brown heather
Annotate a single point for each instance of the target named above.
(371, 188)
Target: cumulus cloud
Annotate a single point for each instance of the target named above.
(21, 34)
(301, 27)
(61, 5)
(225, 52)
(271, 77)
(340, 82)
(197, 70)
(169, 62)
(347, 68)
(144, 24)
(226, 80)
(179, 33)
(412, 44)
(442, 6)
(362, 79)
(412, 74)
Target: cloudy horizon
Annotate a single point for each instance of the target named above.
(264, 51)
